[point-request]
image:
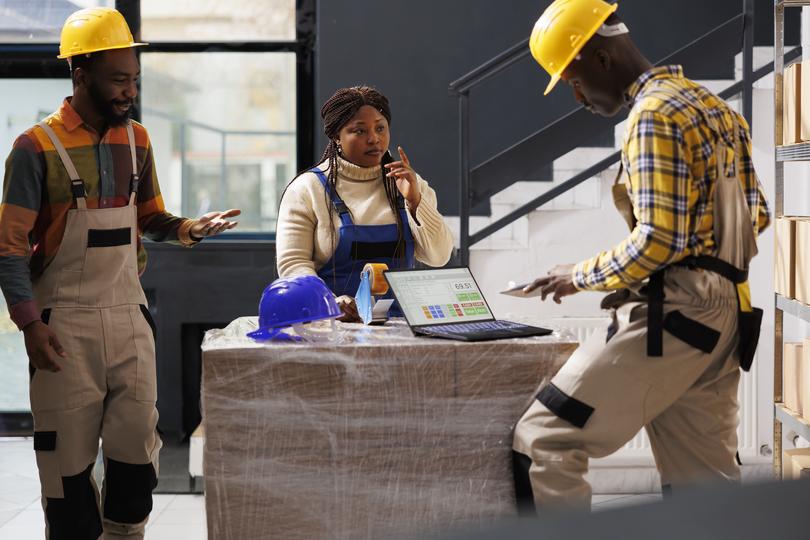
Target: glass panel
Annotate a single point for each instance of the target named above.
(13, 365)
(25, 103)
(218, 20)
(39, 21)
(222, 127)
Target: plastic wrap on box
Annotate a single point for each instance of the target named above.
(377, 435)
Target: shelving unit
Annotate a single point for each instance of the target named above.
(792, 421)
(784, 419)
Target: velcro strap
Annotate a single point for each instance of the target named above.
(691, 332)
(655, 315)
(371, 251)
(718, 266)
(564, 406)
(97, 238)
(44, 441)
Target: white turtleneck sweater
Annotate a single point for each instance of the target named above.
(303, 235)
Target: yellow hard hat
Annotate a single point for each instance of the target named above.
(95, 29)
(563, 30)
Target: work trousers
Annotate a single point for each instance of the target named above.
(106, 389)
(609, 389)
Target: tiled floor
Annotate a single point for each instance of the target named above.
(174, 517)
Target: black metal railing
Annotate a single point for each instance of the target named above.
(477, 184)
(607, 162)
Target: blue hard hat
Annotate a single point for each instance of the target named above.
(293, 300)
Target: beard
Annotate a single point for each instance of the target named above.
(107, 107)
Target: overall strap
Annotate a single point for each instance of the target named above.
(134, 179)
(337, 203)
(76, 183)
(621, 199)
(716, 265)
(655, 314)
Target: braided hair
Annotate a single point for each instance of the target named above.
(336, 113)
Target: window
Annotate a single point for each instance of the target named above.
(13, 365)
(224, 115)
(222, 127)
(26, 102)
(226, 87)
(217, 20)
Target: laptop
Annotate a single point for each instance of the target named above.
(447, 303)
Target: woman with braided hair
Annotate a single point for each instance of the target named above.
(353, 208)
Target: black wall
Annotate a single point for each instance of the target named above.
(190, 291)
(412, 50)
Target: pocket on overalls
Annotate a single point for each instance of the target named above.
(45, 441)
(108, 253)
(749, 323)
(146, 374)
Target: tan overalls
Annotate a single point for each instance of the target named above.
(684, 393)
(94, 303)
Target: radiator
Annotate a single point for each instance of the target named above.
(637, 452)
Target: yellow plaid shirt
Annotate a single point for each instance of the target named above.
(671, 163)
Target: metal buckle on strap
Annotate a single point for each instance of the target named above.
(340, 207)
(77, 187)
(134, 183)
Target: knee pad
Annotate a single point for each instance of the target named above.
(76, 515)
(128, 491)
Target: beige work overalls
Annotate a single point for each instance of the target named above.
(94, 303)
(686, 397)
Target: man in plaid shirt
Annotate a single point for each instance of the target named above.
(681, 304)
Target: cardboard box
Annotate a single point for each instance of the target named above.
(802, 258)
(195, 452)
(786, 77)
(804, 385)
(784, 273)
(804, 127)
(795, 463)
(382, 436)
(791, 116)
(792, 375)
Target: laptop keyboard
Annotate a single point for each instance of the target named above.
(471, 327)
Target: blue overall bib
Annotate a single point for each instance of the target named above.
(362, 244)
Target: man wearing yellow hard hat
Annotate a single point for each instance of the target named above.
(683, 324)
(79, 191)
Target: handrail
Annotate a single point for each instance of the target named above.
(200, 125)
(517, 51)
(478, 169)
(490, 67)
(462, 86)
(595, 169)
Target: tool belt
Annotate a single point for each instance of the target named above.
(749, 320)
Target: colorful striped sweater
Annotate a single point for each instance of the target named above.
(37, 197)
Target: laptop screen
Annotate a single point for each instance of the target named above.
(440, 296)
